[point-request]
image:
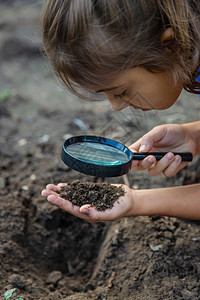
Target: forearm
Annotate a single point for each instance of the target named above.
(193, 129)
(181, 202)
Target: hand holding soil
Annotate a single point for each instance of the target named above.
(96, 203)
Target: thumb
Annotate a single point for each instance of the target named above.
(151, 138)
(92, 213)
(84, 209)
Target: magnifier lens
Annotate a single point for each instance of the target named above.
(97, 153)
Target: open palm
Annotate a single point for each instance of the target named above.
(119, 210)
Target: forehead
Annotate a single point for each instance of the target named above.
(121, 79)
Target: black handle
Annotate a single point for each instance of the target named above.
(187, 156)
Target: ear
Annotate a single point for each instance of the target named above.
(168, 42)
(167, 36)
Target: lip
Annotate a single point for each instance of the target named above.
(143, 109)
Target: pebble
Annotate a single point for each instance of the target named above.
(22, 142)
(43, 139)
(155, 248)
(81, 124)
(17, 281)
(54, 277)
(196, 239)
(33, 177)
(25, 187)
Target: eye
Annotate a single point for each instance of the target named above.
(119, 96)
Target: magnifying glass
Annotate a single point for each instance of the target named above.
(102, 157)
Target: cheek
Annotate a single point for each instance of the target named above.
(170, 97)
(160, 97)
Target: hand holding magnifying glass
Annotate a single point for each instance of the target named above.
(103, 157)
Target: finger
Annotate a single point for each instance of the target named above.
(96, 216)
(52, 187)
(146, 163)
(108, 215)
(148, 140)
(46, 192)
(152, 137)
(174, 167)
(84, 209)
(161, 164)
(67, 206)
(135, 163)
(61, 185)
(136, 146)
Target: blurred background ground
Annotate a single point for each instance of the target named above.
(46, 253)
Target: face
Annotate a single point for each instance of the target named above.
(142, 89)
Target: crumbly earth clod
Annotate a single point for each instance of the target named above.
(100, 195)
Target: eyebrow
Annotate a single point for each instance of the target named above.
(109, 89)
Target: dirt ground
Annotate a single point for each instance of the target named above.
(46, 253)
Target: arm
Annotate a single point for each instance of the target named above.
(181, 202)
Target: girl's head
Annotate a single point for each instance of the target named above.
(138, 52)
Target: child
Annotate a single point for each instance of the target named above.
(141, 54)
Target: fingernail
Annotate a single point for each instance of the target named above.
(169, 156)
(177, 158)
(150, 160)
(142, 148)
(85, 211)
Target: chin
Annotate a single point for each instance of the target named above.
(169, 104)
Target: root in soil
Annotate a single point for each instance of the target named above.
(100, 195)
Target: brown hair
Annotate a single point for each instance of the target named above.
(89, 41)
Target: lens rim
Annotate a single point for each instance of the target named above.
(92, 168)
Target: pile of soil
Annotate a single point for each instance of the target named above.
(100, 195)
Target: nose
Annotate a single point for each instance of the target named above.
(117, 104)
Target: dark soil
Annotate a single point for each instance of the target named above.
(100, 195)
(45, 253)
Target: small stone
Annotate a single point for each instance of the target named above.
(33, 177)
(81, 124)
(25, 187)
(22, 142)
(54, 277)
(17, 281)
(43, 139)
(155, 248)
(196, 239)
